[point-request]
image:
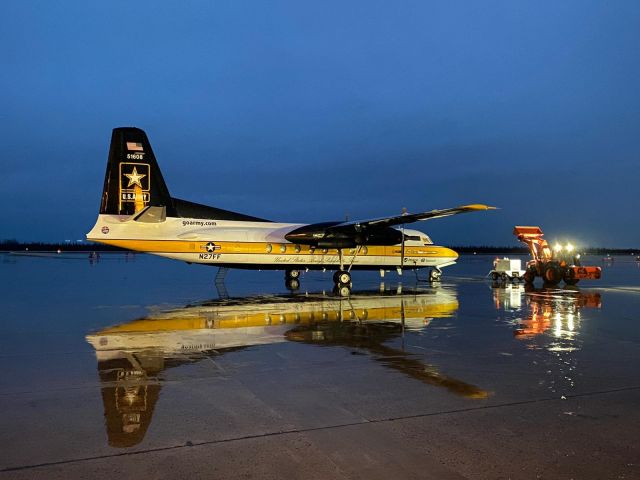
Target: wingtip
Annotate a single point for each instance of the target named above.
(480, 206)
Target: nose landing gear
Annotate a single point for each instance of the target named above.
(435, 275)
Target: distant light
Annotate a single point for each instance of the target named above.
(557, 247)
(569, 247)
(578, 256)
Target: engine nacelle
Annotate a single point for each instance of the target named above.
(320, 235)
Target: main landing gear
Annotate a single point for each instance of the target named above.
(342, 277)
(342, 282)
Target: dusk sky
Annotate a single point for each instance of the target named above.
(310, 111)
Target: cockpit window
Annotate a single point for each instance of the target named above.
(426, 240)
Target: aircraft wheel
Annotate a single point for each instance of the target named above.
(292, 284)
(504, 277)
(495, 276)
(342, 277)
(292, 274)
(435, 275)
(343, 290)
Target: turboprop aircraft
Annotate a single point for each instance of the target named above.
(138, 213)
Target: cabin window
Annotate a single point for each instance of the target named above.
(269, 248)
(365, 250)
(297, 248)
(325, 250)
(283, 248)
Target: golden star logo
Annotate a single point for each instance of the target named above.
(134, 177)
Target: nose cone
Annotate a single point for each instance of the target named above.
(447, 252)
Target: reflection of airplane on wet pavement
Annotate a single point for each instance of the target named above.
(132, 356)
(549, 308)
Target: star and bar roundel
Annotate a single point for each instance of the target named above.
(211, 247)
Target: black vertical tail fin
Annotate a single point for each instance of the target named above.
(133, 179)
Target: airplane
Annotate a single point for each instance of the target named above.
(134, 358)
(138, 213)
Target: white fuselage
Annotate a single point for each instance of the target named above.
(243, 244)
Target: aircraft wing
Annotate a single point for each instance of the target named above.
(407, 218)
(377, 231)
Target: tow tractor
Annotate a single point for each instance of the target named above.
(553, 265)
(506, 270)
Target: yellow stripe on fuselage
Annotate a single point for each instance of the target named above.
(225, 247)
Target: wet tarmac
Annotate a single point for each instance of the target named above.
(135, 366)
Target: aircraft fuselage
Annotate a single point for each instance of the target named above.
(241, 244)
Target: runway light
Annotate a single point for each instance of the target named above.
(569, 247)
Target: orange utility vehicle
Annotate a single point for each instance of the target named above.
(553, 265)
